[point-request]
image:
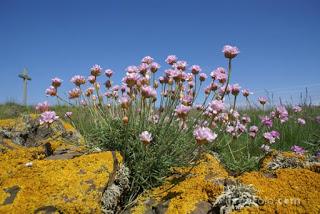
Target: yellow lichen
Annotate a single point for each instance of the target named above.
(72, 186)
(291, 191)
(196, 187)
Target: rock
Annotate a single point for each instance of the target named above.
(202, 207)
(60, 185)
(27, 131)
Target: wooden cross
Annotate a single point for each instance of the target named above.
(24, 76)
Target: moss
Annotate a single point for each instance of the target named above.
(186, 194)
(70, 186)
(292, 191)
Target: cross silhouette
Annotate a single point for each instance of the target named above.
(24, 76)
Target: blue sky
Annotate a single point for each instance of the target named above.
(279, 40)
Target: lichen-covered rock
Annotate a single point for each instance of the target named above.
(290, 191)
(27, 131)
(30, 182)
(181, 194)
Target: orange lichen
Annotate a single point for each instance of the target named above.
(196, 187)
(292, 191)
(71, 186)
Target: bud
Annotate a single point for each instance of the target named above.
(125, 120)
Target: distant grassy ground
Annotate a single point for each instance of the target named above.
(247, 156)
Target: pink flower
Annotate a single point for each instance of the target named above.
(245, 120)
(187, 100)
(213, 86)
(181, 65)
(78, 80)
(297, 109)
(96, 70)
(154, 67)
(171, 59)
(265, 148)
(182, 111)
(42, 107)
(219, 74)
(246, 92)
(56, 82)
(68, 114)
(298, 150)
(271, 136)
(143, 68)
(51, 91)
(230, 51)
(148, 91)
(253, 130)
(124, 101)
(204, 135)
(318, 119)
(262, 100)
(131, 79)
(203, 77)
(235, 89)
(108, 84)
(89, 91)
(217, 106)
(195, 69)
(145, 137)
(132, 69)
(147, 59)
(92, 79)
(267, 121)
(74, 93)
(48, 117)
(282, 114)
(108, 72)
(301, 121)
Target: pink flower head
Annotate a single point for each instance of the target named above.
(181, 65)
(124, 101)
(217, 106)
(68, 114)
(56, 82)
(204, 135)
(147, 59)
(108, 84)
(230, 51)
(74, 93)
(92, 79)
(195, 69)
(78, 80)
(115, 88)
(265, 148)
(318, 119)
(171, 59)
(207, 90)
(143, 68)
(213, 86)
(301, 121)
(203, 77)
(42, 107)
(148, 91)
(145, 137)
(297, 109)
(262, 100)
(267, 121)
(48, 117)
(187, 100)
(246, 92)
(298, 150)
(253, 130)
(132, 69)
(269, 137)
(89, 91)
(219, 74)
(282, 114)
(131, 79)
(245, 120)
(96, 70)
(51, 91)
(225, 89)
(275, 134)
(108, 72)
(235, 89)
(154, 67)
(182, 111)
(108, 94)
